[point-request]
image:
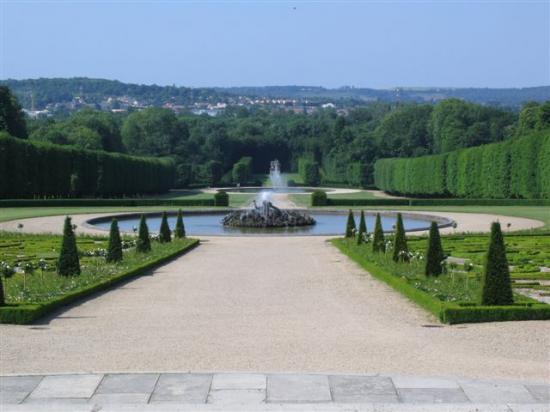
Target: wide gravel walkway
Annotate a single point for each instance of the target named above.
(268, 304)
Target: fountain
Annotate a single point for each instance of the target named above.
(263, 213)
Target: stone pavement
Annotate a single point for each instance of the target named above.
(255, 391)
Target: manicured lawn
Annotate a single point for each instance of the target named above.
(304, 200)
(13, 213)
(44, 285)
(363, 194)
(184, 194)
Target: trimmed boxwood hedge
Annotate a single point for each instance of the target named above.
(221, 198)
(319, 198)
(434, 202)
(516, 168)
(27, 313)
(447, 312)
(34, 169)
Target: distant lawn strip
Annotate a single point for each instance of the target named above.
(106, 276)
(451, 300)
(133, 202)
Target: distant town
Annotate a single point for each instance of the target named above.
(59, 97)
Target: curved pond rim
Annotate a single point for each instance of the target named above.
(295, 190)
(442, 222)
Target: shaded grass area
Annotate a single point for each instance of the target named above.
(452, 297)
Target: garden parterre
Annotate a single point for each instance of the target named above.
(42, 252)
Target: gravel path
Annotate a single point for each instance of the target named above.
(268, 304)
(467, 222)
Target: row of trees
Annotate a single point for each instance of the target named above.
(30, 169)
(516, 168)
(344, 147)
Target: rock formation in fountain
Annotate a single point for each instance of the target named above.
(266, 214)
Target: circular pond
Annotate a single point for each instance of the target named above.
(209, 224)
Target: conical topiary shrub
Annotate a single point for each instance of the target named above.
(400, 249)
(350, 225)
(165, 234)
(179, 231)
(378, 241)
(497, 289)
(362, 229)
(68, 263)
(114, 250)
(434, 253)
(144, 242)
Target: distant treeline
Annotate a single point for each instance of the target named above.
(62, 90)
(327, 147)
(516, 168)
(43, 170)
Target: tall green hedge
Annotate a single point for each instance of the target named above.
(31, 170)
(517, 168)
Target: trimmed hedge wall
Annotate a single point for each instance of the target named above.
(447, 312)
(517, 168)
(433, 202)
(104, 202)
(27, 313)
(31, 169)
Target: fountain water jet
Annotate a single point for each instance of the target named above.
(263, 213)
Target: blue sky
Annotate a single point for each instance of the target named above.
(361, 43)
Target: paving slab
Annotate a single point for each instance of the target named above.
(128, 383)
(432, 395)
(55, 401)
(488, 392)
(239, 381)
(12, 397)
(298, 388)
(52, 407)
(19, 383)
(183, 387)
(119, 398)
(237, 396)
(362, 389)
(417, 382)
(441, 407)
(66, 386)
(529, 408)
(540, 392)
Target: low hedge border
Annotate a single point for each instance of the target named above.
(451, 313)
(26, 313)
(434, 202)
(104, 202)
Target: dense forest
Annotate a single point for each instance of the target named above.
(324, 147)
